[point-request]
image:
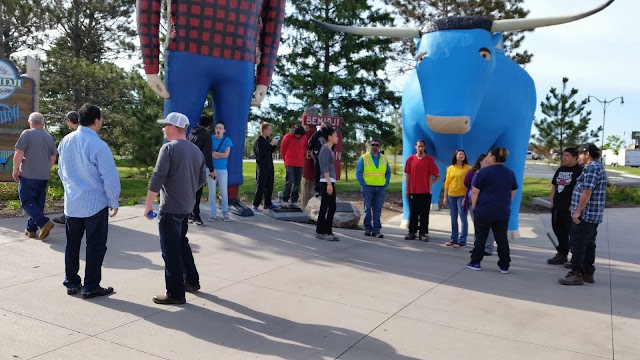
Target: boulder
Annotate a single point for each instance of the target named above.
(346, 216)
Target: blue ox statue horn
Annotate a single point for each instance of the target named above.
(466, 93)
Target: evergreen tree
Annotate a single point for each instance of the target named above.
(335, 71)
(417, 13)
(565, 123)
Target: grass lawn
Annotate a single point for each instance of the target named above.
(134, 184)
(626, 169)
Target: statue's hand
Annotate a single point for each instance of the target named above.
(258, 95)
(156, 84)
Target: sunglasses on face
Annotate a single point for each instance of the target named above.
(375, 144)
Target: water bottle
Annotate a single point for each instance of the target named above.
(152, 215)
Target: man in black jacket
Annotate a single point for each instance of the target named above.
(263, 147)
(202, 139)
(315, 144)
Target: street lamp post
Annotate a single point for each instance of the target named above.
(605, 104)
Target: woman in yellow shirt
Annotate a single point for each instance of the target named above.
(454, 193)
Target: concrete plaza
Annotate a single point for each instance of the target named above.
(271, 290)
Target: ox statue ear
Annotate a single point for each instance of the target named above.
(497, 42)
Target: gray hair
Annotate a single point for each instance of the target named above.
(36, 118)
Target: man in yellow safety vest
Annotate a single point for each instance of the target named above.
(373, 173)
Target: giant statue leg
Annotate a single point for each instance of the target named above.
(188, 83)
(233, 87)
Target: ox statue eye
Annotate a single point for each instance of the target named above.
(420, 56)
(485, 53)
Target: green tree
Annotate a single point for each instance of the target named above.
(417, 13)
(614, 143)
(21, 25)
(566, 122)
(395, 142)
(333, 70)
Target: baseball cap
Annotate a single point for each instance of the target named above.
(590, 148)
(175, 118)
(72, 116)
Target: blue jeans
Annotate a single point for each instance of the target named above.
(222, 179)
(456, 209)
(292, 185)
(179, 266)
(373, 198)
(97, 229)
(32, 195)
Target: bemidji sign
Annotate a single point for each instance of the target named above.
(16, 103)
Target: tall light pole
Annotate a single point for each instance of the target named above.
(605, 104)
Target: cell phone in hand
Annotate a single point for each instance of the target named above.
(276, 138)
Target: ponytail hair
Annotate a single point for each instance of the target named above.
(500, 154)
(478, 163)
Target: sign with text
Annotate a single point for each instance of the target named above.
(315, 120)
(16, 103)
(635, 134)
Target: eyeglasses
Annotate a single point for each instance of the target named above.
(375, 144)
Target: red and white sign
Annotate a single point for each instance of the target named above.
(315, 120)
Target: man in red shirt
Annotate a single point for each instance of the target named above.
(213, 45)
(293, 151)
(421, 172)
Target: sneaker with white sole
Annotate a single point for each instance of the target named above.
(211, 218)
(225, 216)
(295, 204)
(504, 270)
(255, 209)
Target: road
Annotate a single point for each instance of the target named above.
(538, 169)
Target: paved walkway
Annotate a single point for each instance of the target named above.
(271, 290)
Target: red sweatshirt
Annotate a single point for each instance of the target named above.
(293, 150)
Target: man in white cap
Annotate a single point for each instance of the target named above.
(180, 171)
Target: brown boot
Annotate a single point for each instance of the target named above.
(588, 278)
(45, 230)
(572, 278)
(559, 259)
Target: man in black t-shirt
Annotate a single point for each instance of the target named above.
(562, 186)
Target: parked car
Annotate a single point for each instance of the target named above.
(532, 155)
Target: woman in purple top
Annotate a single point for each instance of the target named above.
(468, 180)
(492, 192)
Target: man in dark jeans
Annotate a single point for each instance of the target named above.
(315, 144)
(180, 171)
(202, 139)
(91, 187)
(263, 148)
(587, 212)
(562, 186)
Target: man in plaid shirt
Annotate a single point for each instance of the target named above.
(213, 45)
(587, 210)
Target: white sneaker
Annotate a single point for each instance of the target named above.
(211, 218)
(225, 216)
(295, 204)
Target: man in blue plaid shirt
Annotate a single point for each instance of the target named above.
(587, 210)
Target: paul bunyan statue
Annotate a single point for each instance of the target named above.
(224, 46)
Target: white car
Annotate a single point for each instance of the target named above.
(531, 155)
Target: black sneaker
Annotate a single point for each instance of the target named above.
(73, 290)
(410, 236)
(191, 287)
(559, 259)
(100, 291)
(191, 219)
(588, 278)
(367, 233)
(198, 221)
(568, 265)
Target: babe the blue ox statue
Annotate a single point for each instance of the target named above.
(466, 93)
